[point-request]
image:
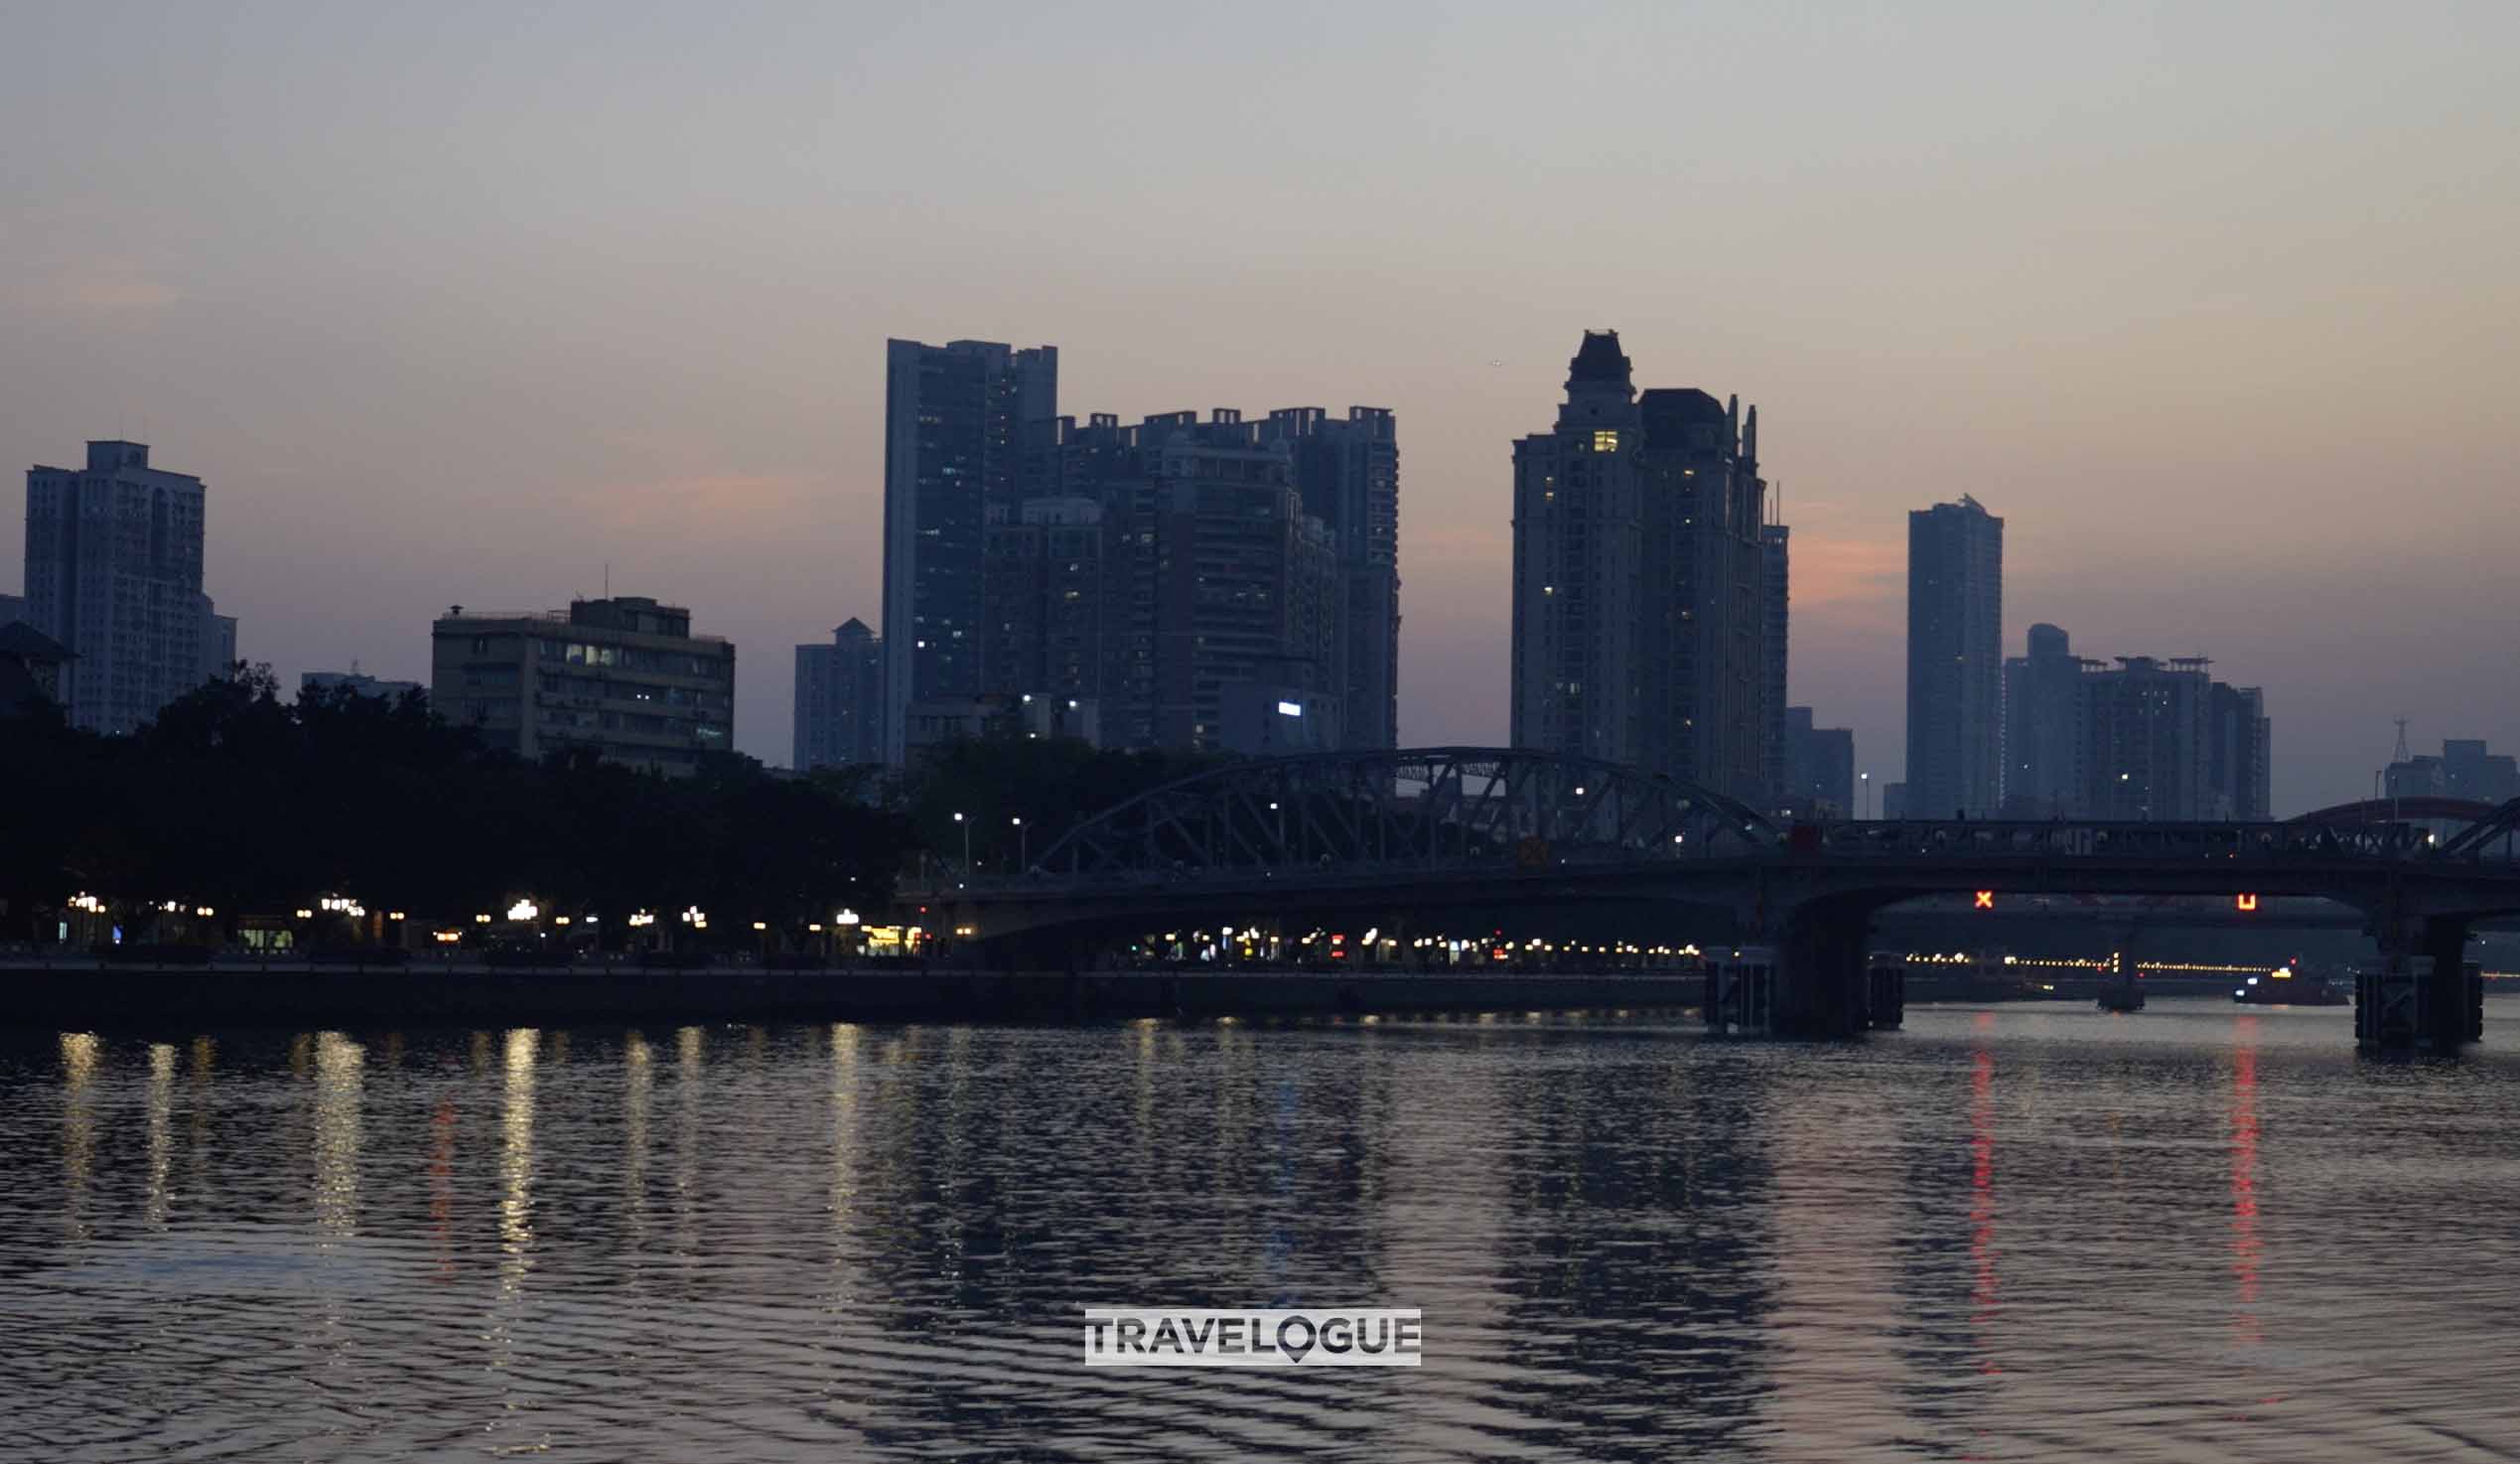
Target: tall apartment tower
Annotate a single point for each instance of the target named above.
(2043, 746)
(1578, 547)
(1777, 750)
(1174, 576)
(1051, 600)
(113, 573)
(1955, 660)
(1819, 767)
(840, 710)
(2143, 745)
(2239, 753)
(1245, 585)
(1639, 617)
(1348, 470)
(969, 429)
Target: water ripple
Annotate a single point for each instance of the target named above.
(2016, 1233)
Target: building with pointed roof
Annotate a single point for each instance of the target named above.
(1639, 619)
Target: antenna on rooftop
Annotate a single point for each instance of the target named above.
(2400, 755)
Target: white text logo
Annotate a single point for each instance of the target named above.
(1330, 1337)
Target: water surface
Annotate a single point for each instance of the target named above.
(2023, 1231)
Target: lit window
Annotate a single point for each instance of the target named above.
(1604, 440)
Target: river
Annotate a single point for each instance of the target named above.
(2030, 1231)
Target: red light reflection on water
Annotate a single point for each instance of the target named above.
(2246, 1246)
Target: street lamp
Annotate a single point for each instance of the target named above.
(1867, 779)
(1023, 848)
(966, 844)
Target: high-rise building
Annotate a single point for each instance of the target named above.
(1639, 631)
(1955, 660)
(1348, 470)
(12, 608)
(2144, 740)
(624, 676)
(1776, 759)
(1175, 561)
(969, 429)
(1130, 573)
(2043, 728)
(1050, 597)
(113, 573)
(1819, 768)
(1578, 557)
(2239, 751)
(840, 707)
(1243, 583)
(1706, 665)
(2464, 769)
(2469, 772)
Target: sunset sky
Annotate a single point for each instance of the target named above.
(2218, 306)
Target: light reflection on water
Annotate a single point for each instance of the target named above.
(2025, 1232)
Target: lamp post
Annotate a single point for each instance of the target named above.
(1023, 848)
(966, 848)
(1867, 779)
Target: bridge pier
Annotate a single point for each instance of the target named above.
(1886, 995)
(1823, 985)
(2421, 994)
(1815, 981)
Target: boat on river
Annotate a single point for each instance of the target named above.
(2285, 986)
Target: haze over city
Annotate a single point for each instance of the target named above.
(465, 306)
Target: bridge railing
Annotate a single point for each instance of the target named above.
(1324, 871)
(2072, 839)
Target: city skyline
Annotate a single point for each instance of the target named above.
(2144, 335)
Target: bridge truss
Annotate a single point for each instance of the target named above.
(2476, 841)
(1418, 809)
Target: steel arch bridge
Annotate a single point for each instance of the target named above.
(2426, 809)
(1417, 809)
